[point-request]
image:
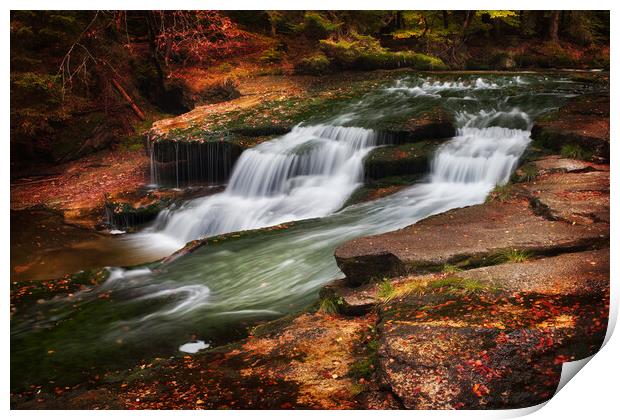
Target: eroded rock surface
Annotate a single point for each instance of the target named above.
(584, 121)
(469, 235)
(580, 198)
(498, 337)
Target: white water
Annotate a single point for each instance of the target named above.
(309, 172)
(258, 279)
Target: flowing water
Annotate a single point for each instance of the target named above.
(307, 173)
(214, 293)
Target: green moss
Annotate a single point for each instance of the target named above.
(272, 56)
(316, 64)
(360, 52)
(365, 367)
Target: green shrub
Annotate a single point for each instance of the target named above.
(45, 88)
(316, 26)
(361, 52)
(574, 151)
(314, 65)
(271, 56)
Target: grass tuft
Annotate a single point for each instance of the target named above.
(500, 193)
(450, 269)
(329, 305)
(457, 285)
(385, 290)
(574, 151)
(513, 256)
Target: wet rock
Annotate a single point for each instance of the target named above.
(404, 159)
(500, 347)
(578, 198)
(433, 124)
(209, 159)
(126, 210)
(351, 301)
(554, 163)
(197, 244)
(469, 236)
(301, 365)
(123, 213)
(583, 122)
(578, 274)
(28, 292)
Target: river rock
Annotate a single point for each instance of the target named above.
(499, 348)
(351, 301)
(436, 123)
(578, 198)
(470, 235)
(404, 159)
(584, 121)
(555, 163)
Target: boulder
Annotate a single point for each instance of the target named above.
(404, 159)
(502, 347)
(582, 122)
(436, 123)
(469, 236)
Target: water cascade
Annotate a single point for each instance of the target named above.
(176, 164)
(309, 172)
(214, 293)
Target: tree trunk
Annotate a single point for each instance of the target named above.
(468, 15)
(399, 20)
(444, 14)
(554, 26)
(132, 104)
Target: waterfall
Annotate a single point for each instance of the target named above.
(214, 292)
(309, 172)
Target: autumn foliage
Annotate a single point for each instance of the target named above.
(200, 36)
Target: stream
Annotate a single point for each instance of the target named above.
(211, 296)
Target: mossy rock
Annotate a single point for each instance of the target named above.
(582, 126)
(358, 52)
(28, 292)
(127, 214)
(404, 159)
(435, 123)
